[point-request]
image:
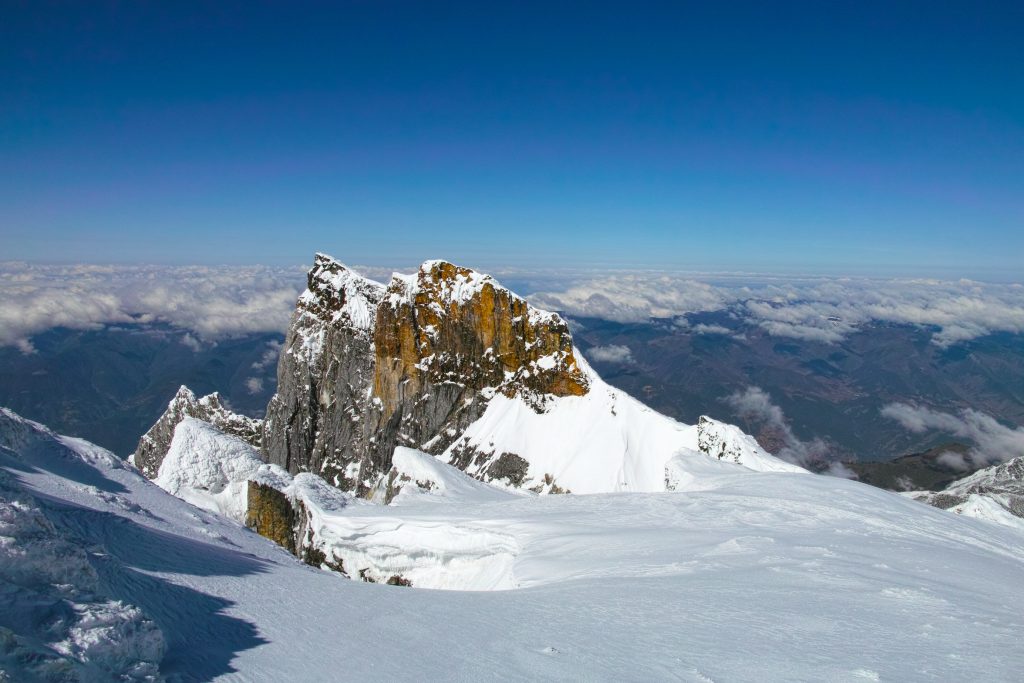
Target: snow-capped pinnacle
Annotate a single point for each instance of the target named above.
(153, 445)
(450, 284)
(183, 395)
(336, 294)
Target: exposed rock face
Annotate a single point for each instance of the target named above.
(322, 417)
(154, 444)
(366, 368)
(1002, 485)
(271, 514)
(451, 325)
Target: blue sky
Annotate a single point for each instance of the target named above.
(860, 138)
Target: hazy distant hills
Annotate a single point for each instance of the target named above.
(830, 391)
(913, 472)
(110, 385)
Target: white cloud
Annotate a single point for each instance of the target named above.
(703, 328)
(191, 342)
(269, 356)
(814, 309)
(755, 403)
(211, 302)
(992, 442)
(954, 461)
(611, 354)
(634, 298)
(254, 385)
(214, 302)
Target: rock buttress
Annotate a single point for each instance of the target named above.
(366, 368)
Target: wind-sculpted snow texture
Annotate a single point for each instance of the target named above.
(449, 362)
(56, 620)
(154, 444)
(995, 494)
(738, 575)
(223, 474)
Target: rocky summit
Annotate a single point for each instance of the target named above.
(426, 386)
(368, 367)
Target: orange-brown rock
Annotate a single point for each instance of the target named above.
(454, 325)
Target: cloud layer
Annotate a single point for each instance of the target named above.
(816, 309)
(634, 298)
(612, 353)
(214, 302)
(211, 302)
(992, 442)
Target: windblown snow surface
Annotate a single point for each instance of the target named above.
(735, 576)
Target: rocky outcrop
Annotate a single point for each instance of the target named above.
(366, 368)
(451, 325)
(984, 493)
(153, 445)
(322, 418)
(271, 514)
(730, 444)
(224, 474)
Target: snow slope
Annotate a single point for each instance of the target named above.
(988, 508)
(209, 468)
(420, 477)
(604, 441)
(759, 576)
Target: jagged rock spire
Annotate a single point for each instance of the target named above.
(366, 367)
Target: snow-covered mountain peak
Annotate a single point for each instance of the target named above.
(449, 362)
(336, 294)
(367, 368)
